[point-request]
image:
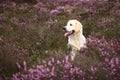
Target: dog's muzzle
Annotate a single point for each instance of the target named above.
(68, 33)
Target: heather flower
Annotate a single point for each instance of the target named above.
(20, 25)
(44, 61)
(15, 21)
(53, 68)
(54, 12)
(93, 69)
(58, 62)
(53, 60)
(2, 17)
(60, 8)
(117, 60)
(25, 65)
(106, 20)
(42, 71)
(64, 1)
(106, 60)
(52, 71)
(39, 5)
(18, 65)
(50, 63)
(24, 6)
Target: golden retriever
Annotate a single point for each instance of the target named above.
(76, 40)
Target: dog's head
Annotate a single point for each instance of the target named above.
(72, 27)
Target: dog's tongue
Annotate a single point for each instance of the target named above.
(67, 34)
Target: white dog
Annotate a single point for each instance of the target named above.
(76, 40)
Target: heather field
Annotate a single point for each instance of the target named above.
(33, 46)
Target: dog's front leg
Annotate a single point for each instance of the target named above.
(72, 55)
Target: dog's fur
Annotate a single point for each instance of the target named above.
(76, 40)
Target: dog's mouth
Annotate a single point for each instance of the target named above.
(68, 33)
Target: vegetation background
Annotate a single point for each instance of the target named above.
(31, 31)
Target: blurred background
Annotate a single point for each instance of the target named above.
(31, 31)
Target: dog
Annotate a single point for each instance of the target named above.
(76, 40)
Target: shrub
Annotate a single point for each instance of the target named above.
(63, 69)
(31, 30)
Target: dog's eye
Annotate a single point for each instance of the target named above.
(70, 24)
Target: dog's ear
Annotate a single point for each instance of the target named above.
(78, 26)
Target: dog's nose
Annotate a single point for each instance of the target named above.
(64, 29)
